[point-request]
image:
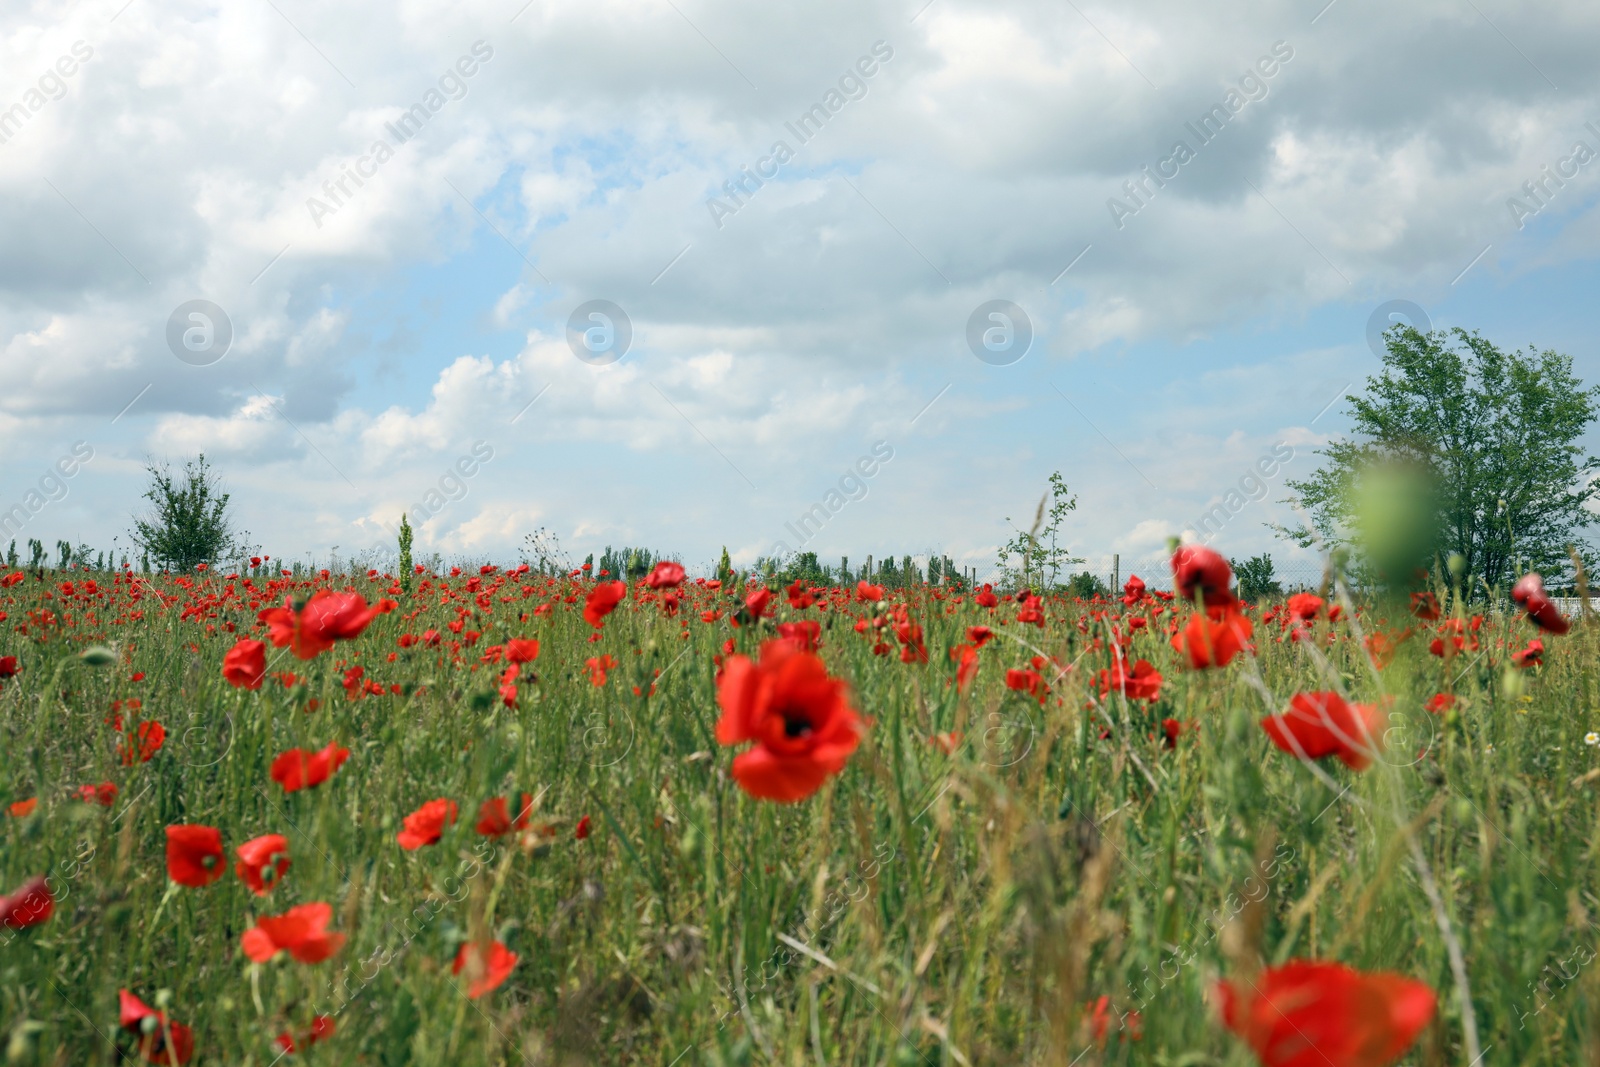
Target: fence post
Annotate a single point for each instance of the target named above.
(1116, 573)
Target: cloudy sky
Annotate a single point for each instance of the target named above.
(397, 209)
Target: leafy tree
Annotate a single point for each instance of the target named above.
(1087, 586)
(188, 523)
(1256, 577)
(1496, 435)
(1040, 558)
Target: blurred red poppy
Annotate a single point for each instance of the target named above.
(1310, 1014)
(602, 601)
(1209, 643)
(263, 861)
(325, 618)
(965, 658)
(522, 650)
(1199, 571)
(1425, 605)
(161, 1040)
(1529, 595)
(1440, 702)
(322, 1027)
(1142, 682)
(22, 808)
(30, 905)
(194, 855)
(1028, 681)
(581, 831)
(143, 744)
(1323, 724)
(494, 816)
(800, 719)
(1305, 606)
(245, 664)
(301, 932)
(104, 794)
(868, 593)
(425, 826)
(667, 575)
(298, 769)
(485, 970)
(1133, 590)
(806, 634)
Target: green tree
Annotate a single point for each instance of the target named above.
(188, 523)
(1497, 437)
(1256, 577)
(1087, 586)
(1038, 554)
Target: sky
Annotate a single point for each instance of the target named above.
(488, 262)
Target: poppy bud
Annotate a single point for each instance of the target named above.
(97, 656)
(1457, 564)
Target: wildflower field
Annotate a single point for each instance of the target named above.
(520, 818)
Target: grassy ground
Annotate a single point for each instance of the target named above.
(924, 908)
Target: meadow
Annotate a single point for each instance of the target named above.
(987, 827)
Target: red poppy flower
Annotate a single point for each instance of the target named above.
(965, 658)
(325, 618)
(1104, 1019)
(522, 650)
(426, 825)
(800, 719)
(1143, 682)
(757, 604)
(946, 742)
(581, 831)
(1532, 656)
(301, 932)
(1171, 730)
(263, 861)
(598, 666)
(28, 906)
(667, 575)
(485, 970)
(298, 769)
(194, 855)
(1027, 681)
(1133, 590)
(1199, 571)
(1425, 606)
(8, 667)
(979, 635)
(1440, 702)
(986, 598)
(161, 1040)
(1305, 606)
(245, 665)
(1210, 643)
(806, 634)
(1529, 595)
(104, 794)
(800, 597)
(602, 601)
(1309, 1014)
(321, 1029)
(1322, 724)
(494, 816)
(23, 808)
(150, 735)
(868, 593)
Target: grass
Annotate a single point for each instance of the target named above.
(923, 908)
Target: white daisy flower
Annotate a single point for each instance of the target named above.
(1591, 738)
